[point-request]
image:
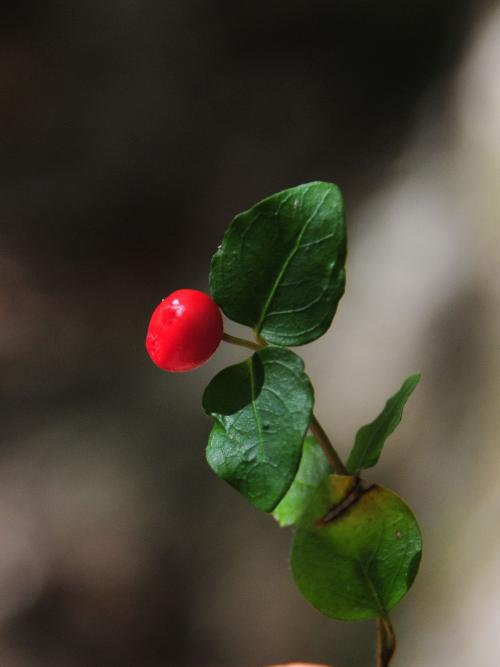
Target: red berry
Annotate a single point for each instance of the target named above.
(184, 331)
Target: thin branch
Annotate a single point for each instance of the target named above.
(324, 441)
(241, 342)
(386, 641)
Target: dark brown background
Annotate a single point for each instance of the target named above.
(131, 132)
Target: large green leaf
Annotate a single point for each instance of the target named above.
(280, 268)
(370, 439)
(262, 410)
(312, 471)
(356, 552)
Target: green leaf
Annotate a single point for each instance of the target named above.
(312, 471)
(370, 439)
(262, 410)
(280, 268)
(356, 552)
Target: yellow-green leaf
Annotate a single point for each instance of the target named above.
(356, 552)
(312, 471)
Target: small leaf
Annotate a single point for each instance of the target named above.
(370, 439)
(262, 410)
(356, 552)
(280, 268)
(312, 471)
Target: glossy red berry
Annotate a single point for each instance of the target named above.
(184, 331)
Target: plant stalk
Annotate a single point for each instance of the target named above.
(386, 641)
(328, 449)
(242, 342)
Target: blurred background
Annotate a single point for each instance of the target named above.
(131, 133)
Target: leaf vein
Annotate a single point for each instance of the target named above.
(254, 405)
(298, 310)
(287, 261)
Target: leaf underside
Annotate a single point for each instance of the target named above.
(312, 471)
(280, 268)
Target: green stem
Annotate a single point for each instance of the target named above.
(328, 449)
(260, 340)
(318, 431)
(242, 342)
(386, 641)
